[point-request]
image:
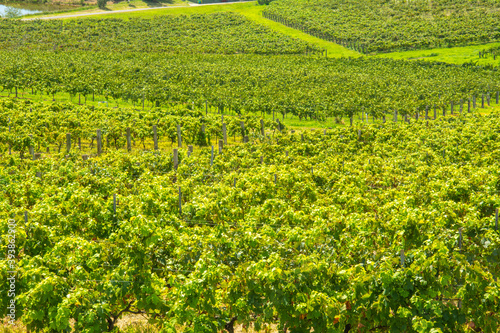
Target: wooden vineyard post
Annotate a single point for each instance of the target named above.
(114, 203)
(452, 107)
(262, 132)
(468, 105)
(402, 258)
(275, 179)
(224, 133)
(474, 101)
(206, 108)
(245, 139)
(179, 136)
(351, 119)
(395, 116)
(129, 141)
(460, 239)
(461, 106)
(176, 158)
(212, 157)
(221, 145)
(190, 150)
(99, 142)
(435, 112)
(496, 219)
(180, 201)
(10, 148)
(155, 137)
(242, 124)
(444, 111)
(426, 112)
(31, 149)
(68, 142)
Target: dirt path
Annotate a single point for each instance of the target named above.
(123, 11)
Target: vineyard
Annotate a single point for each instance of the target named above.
(172, 185)
(304, 86)
(220, 33)
(374, 227)
(384, 26)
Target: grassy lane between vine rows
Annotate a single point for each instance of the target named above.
(254, 13)
(452, 55)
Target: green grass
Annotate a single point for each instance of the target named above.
(69, 11)
(452, 55)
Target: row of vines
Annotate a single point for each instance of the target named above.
(24, 124)
(303, 86)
